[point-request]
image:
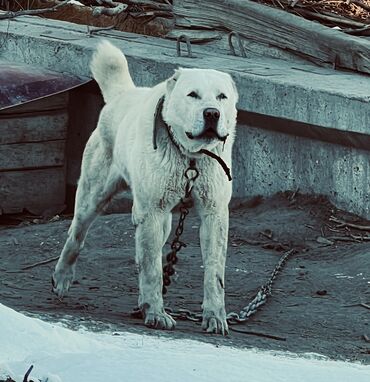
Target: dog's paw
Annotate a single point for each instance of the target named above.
(215, 323)
(62, 280)
(159, 320)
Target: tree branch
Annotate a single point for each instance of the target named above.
(141, 3)
(11, 15)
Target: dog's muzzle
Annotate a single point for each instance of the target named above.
(211, 117)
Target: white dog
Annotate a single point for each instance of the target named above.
(197, 111)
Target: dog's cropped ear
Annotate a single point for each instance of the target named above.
(235, 89)
(171, 82)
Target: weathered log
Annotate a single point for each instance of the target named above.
(273, 27)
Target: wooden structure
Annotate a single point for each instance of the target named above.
(33, 135)
(32, 155)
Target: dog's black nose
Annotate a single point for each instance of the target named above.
(211, 114)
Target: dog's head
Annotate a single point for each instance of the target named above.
(200, 108)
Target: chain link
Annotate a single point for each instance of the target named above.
(191, 174)
(249, 310)
(261, 297)
(184, 314)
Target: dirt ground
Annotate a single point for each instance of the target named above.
(320, 301)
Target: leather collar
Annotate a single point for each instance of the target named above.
(159, 123)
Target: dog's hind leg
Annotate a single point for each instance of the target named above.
(152, 230)
(96, 187)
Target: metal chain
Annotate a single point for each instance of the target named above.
(191, 174)
(249, 310)
(261, 297)
(184, 314)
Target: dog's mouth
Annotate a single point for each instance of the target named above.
(207, 135)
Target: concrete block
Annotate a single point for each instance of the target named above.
(266, 162)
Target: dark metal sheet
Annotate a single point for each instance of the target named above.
(21, 83)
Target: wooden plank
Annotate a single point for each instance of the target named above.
(33, 189)
(32, 155)
(54, 102)
(33, 128)
(278, 28)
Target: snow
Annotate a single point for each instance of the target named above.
(62, 355)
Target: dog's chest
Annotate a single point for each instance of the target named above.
(210, 183)
(173, 185)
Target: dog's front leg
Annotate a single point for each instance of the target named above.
(150, 232)
(213, 239)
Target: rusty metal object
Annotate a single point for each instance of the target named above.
(186, 39)
(236, 35)
(20, 83)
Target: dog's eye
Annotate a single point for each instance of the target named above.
(221, 96)
(194, 95)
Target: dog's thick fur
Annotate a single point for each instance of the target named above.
(120, 150)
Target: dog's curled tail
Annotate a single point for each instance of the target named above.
(110, 70)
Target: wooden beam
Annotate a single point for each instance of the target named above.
(32, 189)
(277, 28)
(33, 127)
(32, 155)
(53, 102)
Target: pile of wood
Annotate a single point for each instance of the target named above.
(137, 16)
(351, 16)
(154, 17)
(337, 32)
(274, 28)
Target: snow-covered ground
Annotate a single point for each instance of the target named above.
(82, 356)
